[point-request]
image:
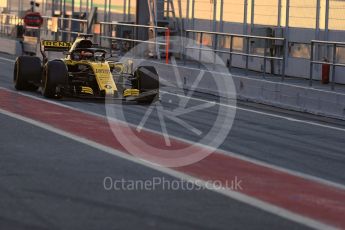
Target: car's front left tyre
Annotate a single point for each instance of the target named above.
(147, 81)
(55, 74)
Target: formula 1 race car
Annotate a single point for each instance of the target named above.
(85, 72)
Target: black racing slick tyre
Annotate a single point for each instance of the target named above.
(147, 81)
(27, 73)
(55, 74)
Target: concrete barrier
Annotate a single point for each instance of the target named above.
(10, 46)
(278, 94)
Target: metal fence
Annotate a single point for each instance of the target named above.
(110, 32)
(333, 63)
(115, 32)
(8, 24)
(67, 28)
(245, 52)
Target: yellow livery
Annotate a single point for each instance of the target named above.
(85, 71)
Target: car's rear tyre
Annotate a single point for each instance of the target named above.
(27, 73)
(147, 81)
(55, 74)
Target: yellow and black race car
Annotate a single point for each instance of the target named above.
(84, 72)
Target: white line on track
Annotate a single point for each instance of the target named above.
(245, 77)
(229, 193)
(6, 59)
(226, 153)
(263, 113)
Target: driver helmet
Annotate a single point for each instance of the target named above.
(86, 54)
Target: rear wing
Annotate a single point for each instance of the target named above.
(55, 46)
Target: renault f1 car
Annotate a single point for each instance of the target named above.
(84, 72)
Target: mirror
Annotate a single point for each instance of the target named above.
(99, 57)
(130, 66)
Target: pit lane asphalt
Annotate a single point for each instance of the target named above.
(301, 147)
(53, 200)
(51, 182)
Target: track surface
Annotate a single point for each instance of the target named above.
(53, 182)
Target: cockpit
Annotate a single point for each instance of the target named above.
(90, 54)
